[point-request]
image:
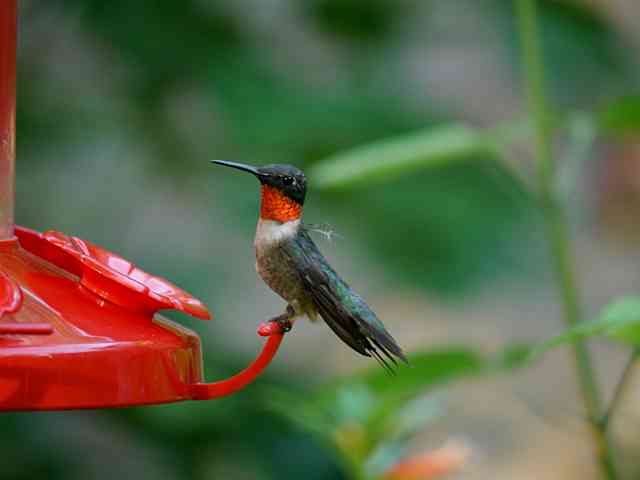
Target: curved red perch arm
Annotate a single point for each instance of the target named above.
(207, 391)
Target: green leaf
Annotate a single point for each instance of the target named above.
(376, 400)
(434, 147)
(434, 368)
(619, 320)
(368, 418)
(426, 369)
(621, 116)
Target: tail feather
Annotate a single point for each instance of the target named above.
(385, 352)
(383, 340)
(383, 363)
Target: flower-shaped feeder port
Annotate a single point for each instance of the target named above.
(78, 330)
(10, 302)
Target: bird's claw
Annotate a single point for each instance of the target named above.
(285, 325)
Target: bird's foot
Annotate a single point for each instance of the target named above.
(284, 324)
(283, 321)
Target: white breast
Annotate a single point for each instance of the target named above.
(269, 233)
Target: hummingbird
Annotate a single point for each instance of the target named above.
(291, 264)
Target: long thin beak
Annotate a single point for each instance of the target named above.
(239, 166)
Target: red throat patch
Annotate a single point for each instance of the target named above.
(274, 205)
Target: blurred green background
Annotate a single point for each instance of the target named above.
(122, 104)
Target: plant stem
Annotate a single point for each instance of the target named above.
(621, 388)
(556, 227)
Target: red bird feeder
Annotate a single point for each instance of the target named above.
(77, 323)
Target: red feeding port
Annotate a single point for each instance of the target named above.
(78, 323)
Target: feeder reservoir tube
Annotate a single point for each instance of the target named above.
(7, 115)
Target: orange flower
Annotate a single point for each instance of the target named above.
(431, 464)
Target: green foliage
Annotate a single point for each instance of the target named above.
(443, 186)
(145, 34)
(584, 54)
(382, 160)
(618, 321)
(277, 120)
(357, 20)
(368, 418)
(621, 116)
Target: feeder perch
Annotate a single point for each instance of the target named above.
(78, 323)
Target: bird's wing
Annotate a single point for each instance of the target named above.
(346, 313)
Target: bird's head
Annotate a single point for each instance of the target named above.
(283, 189)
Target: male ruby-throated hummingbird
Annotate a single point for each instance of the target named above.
(290, 263)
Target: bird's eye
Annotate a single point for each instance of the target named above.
(287, 180)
